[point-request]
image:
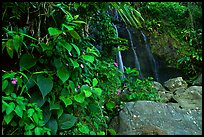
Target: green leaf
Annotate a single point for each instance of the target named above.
(88, 58)
(45, 84)
(18, 42)
(19, 111)
(94, 82)
(101, 133)
(71, 85)
(74, 63)
(79, 98)
(66, 121)
(76, 48)
(74, 34)
(30, 112)
(27, 61)
(79, 21)
(54, 31)
(10, 108)
(68, 27)
(36, 97)
(8, 118)
(36, 118)
(110, 105)
(92, 133)
(4, 84)
(98, 91)
(29, 127)
(84, 129)
(28, 36)
(59, 112)
(66, 45)
(87, 93)
(4, 106)
(57, 63)
(8, 75)
(63, 74)
(29, 132)
(52, 124)
(67, 101)
(54, 106)
(112, 131)
(45, 46)
(10, 47)
(37, 131)
(46, 112)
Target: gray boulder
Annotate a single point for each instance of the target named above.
(191, 98)
(198, 81)
(175, 83)
(153, 118)
(165, 95)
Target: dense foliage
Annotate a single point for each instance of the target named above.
(58, 69)
(55, 80)
(182, 22)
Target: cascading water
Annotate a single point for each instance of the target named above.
(137, 63)
(119, 57)
(151, 57)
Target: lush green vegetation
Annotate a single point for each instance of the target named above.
(55, 80)
(58, 69)
(182, 22)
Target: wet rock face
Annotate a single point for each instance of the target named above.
(152, 118)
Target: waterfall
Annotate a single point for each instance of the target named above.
(151, 58)
(137, 63)
(118, 56)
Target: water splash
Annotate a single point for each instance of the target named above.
(151, 58)
(137, 63)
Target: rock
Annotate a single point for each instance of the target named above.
(175, 83)
(198, 81)
(165, 95)
(191, 98)
(158, 86)
(179, 90)
(154, 118)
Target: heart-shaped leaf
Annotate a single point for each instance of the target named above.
(63, 74)
(79, 98)
(27, 61)
(45, 84)
(66, 121)
(8, 118)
